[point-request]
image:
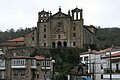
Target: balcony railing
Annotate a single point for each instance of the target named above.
(47, 67)
(18, 66)
(114, 71)
(2, 67)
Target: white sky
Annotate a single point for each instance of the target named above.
(24, 13)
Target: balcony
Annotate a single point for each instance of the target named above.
(114, 71)
(33, 66)
(18, 66)
(2, 67)
(47, 67)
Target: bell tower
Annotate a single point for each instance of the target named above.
(77, 14)
(43, 16)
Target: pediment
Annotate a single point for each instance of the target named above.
(60, 14)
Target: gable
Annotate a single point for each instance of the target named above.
(60, 14)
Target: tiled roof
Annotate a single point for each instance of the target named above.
(27, 57)
(14, 42)
(22, 57)
(108, 49)
(113, 55)
(39, 57)
(103, 51)
(17, 39)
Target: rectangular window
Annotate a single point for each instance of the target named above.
(86, 58)
(22, 73)
(74, 35)
(33, 38)
(44, 36)
(18, 62)
(81, 58)
(15, 73)
(33, 63)
(101, 76)
(47, 64)
(2, 63)
(2, 75)
(74, 28)
(44, 29)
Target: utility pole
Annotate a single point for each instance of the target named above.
(93, 71)
(110, 67)
(45, 68)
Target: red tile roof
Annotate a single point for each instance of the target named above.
(22, 57)
(108, 49)
(14, 42)
(17, 39)
(27, 57)
(105, 50)
(113, 55)
(39, 57)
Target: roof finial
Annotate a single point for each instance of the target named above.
(76, 6)
(59, 8)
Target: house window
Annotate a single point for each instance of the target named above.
(22, 73)
(15, 73)
(101, 76)
(47, 64)
(74, 43)
(37, 75)
(43, 63)
(33, 38)
(33, 63)
(2, 63)
(101, 67)
(38, 64)
(18, 62)
(2, 75)
(86, 58)
(81, 58)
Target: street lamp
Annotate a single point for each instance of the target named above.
(53, 61)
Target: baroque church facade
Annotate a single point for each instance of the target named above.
(62, 30)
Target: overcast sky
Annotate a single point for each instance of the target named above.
(24, 13)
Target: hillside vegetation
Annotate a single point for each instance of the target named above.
(108, 36)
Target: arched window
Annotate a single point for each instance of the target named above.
(53, 44)
(59, 44)
(59, 36)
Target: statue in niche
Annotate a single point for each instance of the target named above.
(59, 27)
